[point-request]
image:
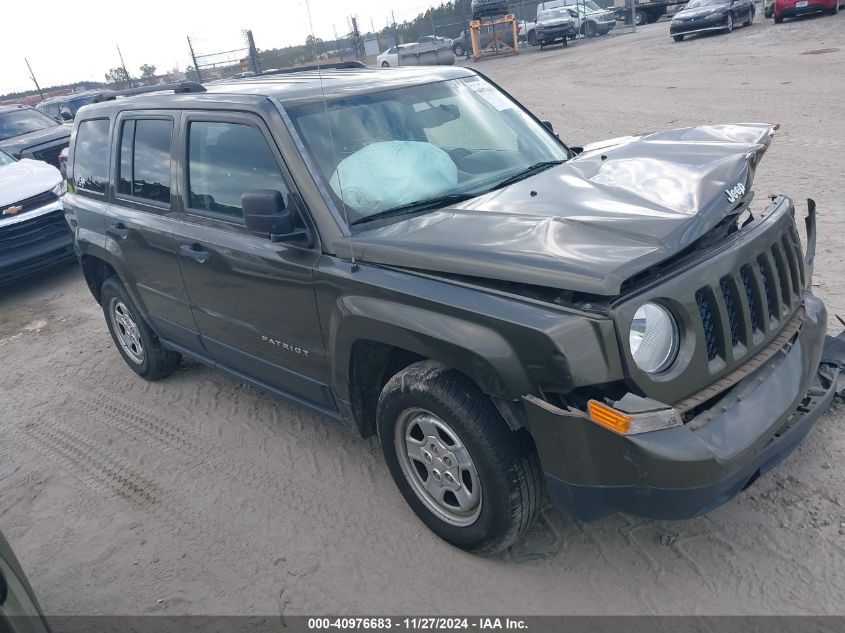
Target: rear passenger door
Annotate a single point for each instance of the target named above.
(142, 218)
(253, 299)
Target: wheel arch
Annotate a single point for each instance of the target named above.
(375, 337)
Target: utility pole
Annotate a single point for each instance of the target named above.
(396, 39)
(356, 38)
(431, 13)
(32, 76)
(253, 52)
(194, 57)
(123, 65)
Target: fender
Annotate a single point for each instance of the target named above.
(89, 243)
(477, 351)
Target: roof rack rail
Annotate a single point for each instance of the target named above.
(301, 69)
(178, 87)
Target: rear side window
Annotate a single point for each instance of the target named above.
(91, 156)
(224, 161)
(145, 159)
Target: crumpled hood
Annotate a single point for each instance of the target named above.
(26, 178)
(616, 209)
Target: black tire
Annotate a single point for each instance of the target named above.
(640, 17)
(157, 361)
(458, 50)
(532, 38)
(385, 65)
(510, 479)
(591, 30)
(750, 19)
(778, 19)
(678, 38)
(768, 11)
(729, 26)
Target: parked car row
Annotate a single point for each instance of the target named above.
(703, 16)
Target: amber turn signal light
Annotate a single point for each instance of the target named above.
(609, 417)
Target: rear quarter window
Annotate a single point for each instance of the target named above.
(91, 156)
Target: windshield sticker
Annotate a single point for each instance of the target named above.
(490, 94)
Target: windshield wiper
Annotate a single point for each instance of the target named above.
(536, 168)
(418, 205)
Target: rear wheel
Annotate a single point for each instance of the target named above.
(467, 476)
(639, 18)
(591, 30)
(678, 38)
(778, 19)
(729, 25)
(458, 49)
(135, 341)
(532, 38)
(385, 65)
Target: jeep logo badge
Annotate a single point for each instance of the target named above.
(14, 210)
(736, 193)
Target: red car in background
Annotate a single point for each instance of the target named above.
(794, 8)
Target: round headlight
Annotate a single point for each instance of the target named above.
(653, 338)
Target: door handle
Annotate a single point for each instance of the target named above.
(117, 231)
(195, 252)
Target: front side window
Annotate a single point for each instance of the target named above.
(17, 122)
(91, 156)
(5, 159)
(394, 148)
(145, 159)
(225, 160)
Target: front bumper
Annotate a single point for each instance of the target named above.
(702, 25)
(34, 241)
(549, 34)
(688, 470)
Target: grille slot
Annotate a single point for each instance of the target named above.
(752, 298)
(753, 301)
(706, 310)
(731, 304)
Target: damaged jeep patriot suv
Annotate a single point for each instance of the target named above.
(413, 252)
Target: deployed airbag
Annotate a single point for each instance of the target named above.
(389, 174)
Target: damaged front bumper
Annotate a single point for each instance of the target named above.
(688, 470)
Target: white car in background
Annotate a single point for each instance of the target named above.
(33, 231)
(390, 57)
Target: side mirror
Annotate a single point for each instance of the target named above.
(66, 115)
(265, 214)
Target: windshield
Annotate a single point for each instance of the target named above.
(552, 14)
(385, 150)
(5, 159)
(696, 4)
(75, 104)
(23, 121)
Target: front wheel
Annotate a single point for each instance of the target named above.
(385, 65)
(729, 25)
(468, 477)
(778, 19)
(532, 38)
(678, 38)
(134, 339)
(639, 18)
(750, 19)
(458, 49)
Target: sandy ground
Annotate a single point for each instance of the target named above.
(216, 498)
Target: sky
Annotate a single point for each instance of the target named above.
(78, 41)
